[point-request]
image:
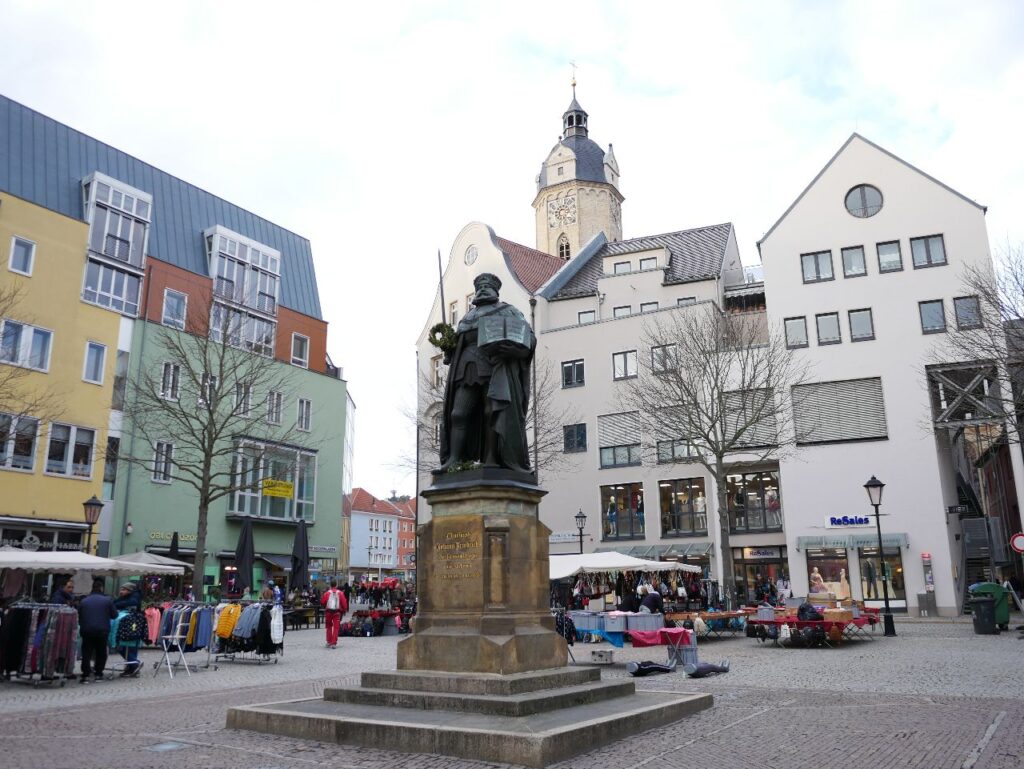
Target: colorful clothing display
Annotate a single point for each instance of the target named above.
(38, 639)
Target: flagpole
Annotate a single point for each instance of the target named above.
(440, 283)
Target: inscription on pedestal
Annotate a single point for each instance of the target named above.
(458, 555)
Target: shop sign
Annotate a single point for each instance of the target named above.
(170, 535)
(333, 549)
(757, 553)
(559, 537)
(275, 488)
(844, 521)
(32, 543)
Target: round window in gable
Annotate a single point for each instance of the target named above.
(864, 201)
(471, 254)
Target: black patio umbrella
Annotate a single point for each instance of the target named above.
(245, 554)
(300, 557)
(172, 551)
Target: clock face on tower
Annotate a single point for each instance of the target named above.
(562, 211)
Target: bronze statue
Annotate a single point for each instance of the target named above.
(488, 388)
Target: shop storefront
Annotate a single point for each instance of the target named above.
(848, 566)
(622, 511)
(36, 534)
(753, 565)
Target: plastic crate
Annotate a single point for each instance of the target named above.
(645, 622)
(584, 620)
(614, 624)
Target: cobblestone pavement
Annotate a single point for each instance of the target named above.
(936, 696)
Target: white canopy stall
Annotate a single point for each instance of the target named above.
(562, 566)
(65, 561)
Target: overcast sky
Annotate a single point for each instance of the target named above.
(378, 133)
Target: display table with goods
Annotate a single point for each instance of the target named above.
(373, 622)
(712, 623)
(835, 626)
(614, 626)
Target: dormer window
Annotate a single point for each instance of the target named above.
(563, 248)
(118, 217)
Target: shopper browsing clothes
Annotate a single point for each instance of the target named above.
(335, 606)
(65, 594)
(94, 615)
(129, 599)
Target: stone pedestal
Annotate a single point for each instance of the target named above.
(483, 584)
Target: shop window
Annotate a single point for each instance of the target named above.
(756, 568)
(683, 506)
(753, 501)
(871, 574)
(622, 511)
(828, 571)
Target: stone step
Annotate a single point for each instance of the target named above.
(514, 705)
(487, 684)
(535, 740)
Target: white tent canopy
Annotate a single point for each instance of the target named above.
(73, 561)
(151, 559)
(562, 566)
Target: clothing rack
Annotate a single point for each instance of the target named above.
(60, 674)
(175, 642)
(240, 655)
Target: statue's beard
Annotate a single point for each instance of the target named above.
(487, 298)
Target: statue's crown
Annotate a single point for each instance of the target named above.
(487, 279)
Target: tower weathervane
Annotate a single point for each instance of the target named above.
(573, 78)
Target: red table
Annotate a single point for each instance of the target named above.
(850, 629)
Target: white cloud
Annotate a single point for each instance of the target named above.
(379, 132)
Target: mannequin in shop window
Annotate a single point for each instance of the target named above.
(612, 518)
(640, 514)
(817, 582)
(869, 580)
(844, 585)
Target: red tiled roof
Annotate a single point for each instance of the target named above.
(364, 502)
(532, 267)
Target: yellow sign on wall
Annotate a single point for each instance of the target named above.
(275, 488)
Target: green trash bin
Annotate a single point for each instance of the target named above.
(1001, 596)
(984, 609)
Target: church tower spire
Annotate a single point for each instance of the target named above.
(577, 189)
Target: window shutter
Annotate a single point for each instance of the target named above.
(740, 408)
(618, 429)
(839, 411)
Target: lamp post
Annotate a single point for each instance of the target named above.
(581, 521)
(369, 558)
(874, 489)
(92, 507)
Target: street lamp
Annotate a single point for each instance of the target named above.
(92, 507)
(369, 559)
(874, 489)
(581, 521)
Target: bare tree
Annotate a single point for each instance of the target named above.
(715, 388)
(212, 415)
(22, 394)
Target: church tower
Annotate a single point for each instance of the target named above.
(577, 189)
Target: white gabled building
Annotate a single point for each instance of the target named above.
(859, 272)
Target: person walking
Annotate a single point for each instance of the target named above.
(335, 605)
(94, 615)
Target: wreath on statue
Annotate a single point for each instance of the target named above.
(442, 336)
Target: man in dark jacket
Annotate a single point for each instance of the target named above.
(65, 594)
(94, 615)
(651, 601)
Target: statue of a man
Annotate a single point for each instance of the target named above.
(488, 387)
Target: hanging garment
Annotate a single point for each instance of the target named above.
(277, 625)
(153, 618)
(228, 619)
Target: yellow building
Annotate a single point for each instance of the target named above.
(58, 357)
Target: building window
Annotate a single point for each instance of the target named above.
(175, 304)
(18, 442)
(685, 301)
(70, 451)
(586, 316)
(169, 381)
(622, 312)
(933, 317)
(112, 288)
(95, 359)
(208, 390)
(163, 456)
(648, 306)
(25, 345)
(627, 455)
(648, 263)
(453, 315)
(23, 255)
(563, 245)
(300, 350)
(753, 501)
(573, 373)
(622, 268)
(676, 451)
(243, 399)
(622, 511)
(871, 573)
(624, 364)
(828, 328)
(305, 418)
(575, 438)
(796, 332)
(118, 218)
(833, 412)
(120, 380)
(889, 257)
(618, 437)
(817, 266)
(828, 572)
(274, 402)
(968, 312)
(683, 507)
(862, 326)
(437, 370)
(864, 201)
(257, 466)
(853, 262)
(928, 252)
(663, 358)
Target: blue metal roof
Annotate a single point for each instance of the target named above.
(44, 162)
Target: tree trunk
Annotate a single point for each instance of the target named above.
(728, 577)
(199, 563)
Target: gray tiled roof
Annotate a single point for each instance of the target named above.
(44, 162)
(693, 255)
(589, 161)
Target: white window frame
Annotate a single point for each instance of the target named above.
(69, 471)
(275, 403)
(257, 455)
(304, 409)
(109, 205)
(626, 356)
(170, 390)
(24, 352)
(208, 385)
(31, 256)
(243, 399)
(184, 312)
(7, 454)
(162, 462)
(301, 362)
(103, 362)
(586, 316)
